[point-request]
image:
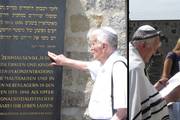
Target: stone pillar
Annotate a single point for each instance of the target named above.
(80, 16)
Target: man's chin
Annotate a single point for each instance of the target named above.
(94, 57)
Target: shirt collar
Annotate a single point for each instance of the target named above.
(110, 59)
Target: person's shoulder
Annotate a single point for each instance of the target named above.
(177, 52)
(95, 62)
(135, 62)
(138, 66)
(122, 58)
(171, 54)
(118, 56)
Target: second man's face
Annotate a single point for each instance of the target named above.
(154, 47)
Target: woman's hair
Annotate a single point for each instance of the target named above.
(177, 47)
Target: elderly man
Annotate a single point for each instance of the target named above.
(145, 102)
(109, 71)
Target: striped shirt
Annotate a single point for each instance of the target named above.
(145, 102)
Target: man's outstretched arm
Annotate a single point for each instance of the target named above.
(61, 60)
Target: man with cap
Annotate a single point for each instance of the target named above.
(145, 102)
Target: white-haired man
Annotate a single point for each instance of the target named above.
(145, 102)
(109, 71)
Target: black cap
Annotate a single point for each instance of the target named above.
(145, 32)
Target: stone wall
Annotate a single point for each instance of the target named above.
(80, 16)
(171, 33)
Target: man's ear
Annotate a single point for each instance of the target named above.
(103, 45)
(144, 44)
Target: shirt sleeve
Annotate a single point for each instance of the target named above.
(171, 55)
(93, 68)
(120, 85)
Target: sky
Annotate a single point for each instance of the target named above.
(154, 9)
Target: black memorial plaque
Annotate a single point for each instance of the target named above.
(29, 88)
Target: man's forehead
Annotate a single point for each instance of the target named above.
(92, 38)
(157, 38)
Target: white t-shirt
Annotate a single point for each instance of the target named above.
(100, 105)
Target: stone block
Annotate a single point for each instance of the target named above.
(79, 23)
(76, 44)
